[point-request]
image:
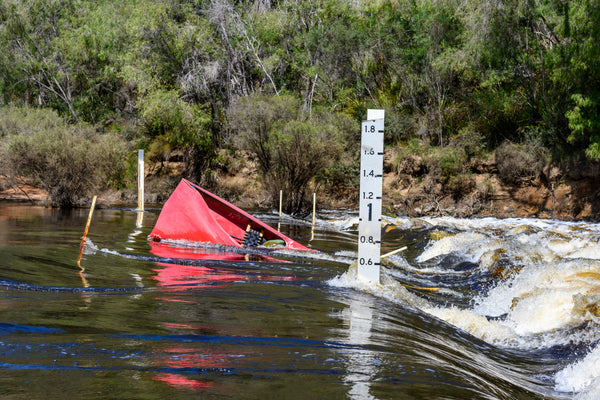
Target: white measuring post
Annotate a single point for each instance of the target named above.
(371, 187)
(140, 180)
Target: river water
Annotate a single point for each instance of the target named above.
(473, 309)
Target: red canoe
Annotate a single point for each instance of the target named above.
(196, 215)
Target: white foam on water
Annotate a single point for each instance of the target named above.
(582, 377)
(545, 311)
(494, 332)
(469, 244)
(507, 224)
(540, 307)
(477, 325)
(89, 247)
(345, 224)
(586, 250)
(389, 288)
(539, 286)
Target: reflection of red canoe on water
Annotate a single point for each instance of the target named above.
(196, 215)
(182, 276)
(188, 359)
(176, 252)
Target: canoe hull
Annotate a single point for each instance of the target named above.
(196, 215)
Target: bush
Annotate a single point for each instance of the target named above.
(460, 185)
(452, 161)
(411, 158)
(172, 124)
(520, 163)
(340, 177)
(68, 161)
(291, 148)
(471, 141)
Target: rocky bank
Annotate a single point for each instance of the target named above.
(566, 194)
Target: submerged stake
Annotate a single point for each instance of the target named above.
(87, 225)
(85, 232)
(280, 201)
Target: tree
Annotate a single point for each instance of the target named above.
(171, 121)
(581, 52)
(291, 148)
(31, 31)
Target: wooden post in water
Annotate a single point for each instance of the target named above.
(139, 220)
(140, 180)
(85, 232)
(87, 225)
(314, 216)
(280, 202)
(280, 207)
(391, 253)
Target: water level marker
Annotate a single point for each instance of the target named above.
(371, 184)
(140, 180)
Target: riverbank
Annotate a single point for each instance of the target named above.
(556, 194)
(567, 200)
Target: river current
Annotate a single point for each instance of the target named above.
(472, 309)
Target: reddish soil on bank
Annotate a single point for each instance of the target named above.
(561, 197)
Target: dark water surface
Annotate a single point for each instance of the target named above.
(138, 324)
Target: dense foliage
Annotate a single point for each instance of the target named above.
(289, 145)
(69, 161)
(519, 71)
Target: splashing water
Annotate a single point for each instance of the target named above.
(525, 284)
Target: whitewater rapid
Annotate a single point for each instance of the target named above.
(538, 285)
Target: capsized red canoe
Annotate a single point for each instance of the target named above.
(196, 215)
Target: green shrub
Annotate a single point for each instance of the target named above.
(411, 157)
(172, 124)
(27, 121)
(486, 189)
(398, 126)
(452, 161)
(69, 161)
(291, 147)
(520, 163)
(339, 177)
(471, 141)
